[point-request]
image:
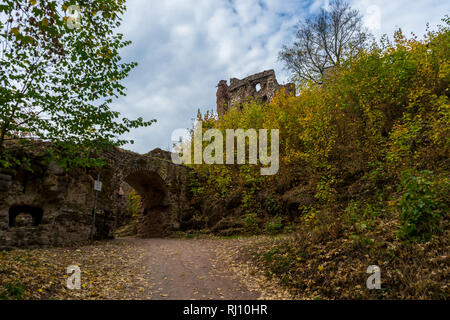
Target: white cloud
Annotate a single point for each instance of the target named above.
(184, 47)
(410, 16)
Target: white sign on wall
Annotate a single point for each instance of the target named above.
(97, 185)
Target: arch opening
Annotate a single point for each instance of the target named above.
(24, 215)
(154, 202)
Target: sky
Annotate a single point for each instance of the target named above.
(184, 47)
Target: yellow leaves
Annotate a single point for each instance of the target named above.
(43, 271)
(44, 22)
(444, 70)
(14, 31)
(104, 52)
(391, 203)
(29, 39)
(320, 267)
(32, 2)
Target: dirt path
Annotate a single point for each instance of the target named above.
(190, 269)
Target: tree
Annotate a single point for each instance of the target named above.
(60, 69)
(324, 41)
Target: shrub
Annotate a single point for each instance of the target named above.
(275, 225)
(420, 206)
(251, 222)
(272, 206)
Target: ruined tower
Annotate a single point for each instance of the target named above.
(261, 86)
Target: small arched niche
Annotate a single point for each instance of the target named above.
(25, 216)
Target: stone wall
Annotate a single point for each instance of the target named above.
(261, 86)
(54, 207)
(65, 201)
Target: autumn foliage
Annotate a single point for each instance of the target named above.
(369, 151)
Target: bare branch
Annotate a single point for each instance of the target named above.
(324, 41)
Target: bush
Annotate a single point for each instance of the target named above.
(421, 207)
(275, 225)
(251, 222)
(272, 206)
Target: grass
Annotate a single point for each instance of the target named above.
(13, 291)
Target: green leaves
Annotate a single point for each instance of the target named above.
(421, 205)
(58, 83)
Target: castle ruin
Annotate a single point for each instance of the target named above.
(261, 86)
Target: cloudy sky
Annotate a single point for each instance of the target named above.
(184, 47)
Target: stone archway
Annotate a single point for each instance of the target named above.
(153, 190)
(161, 184)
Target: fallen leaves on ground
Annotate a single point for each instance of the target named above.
(109, 270)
